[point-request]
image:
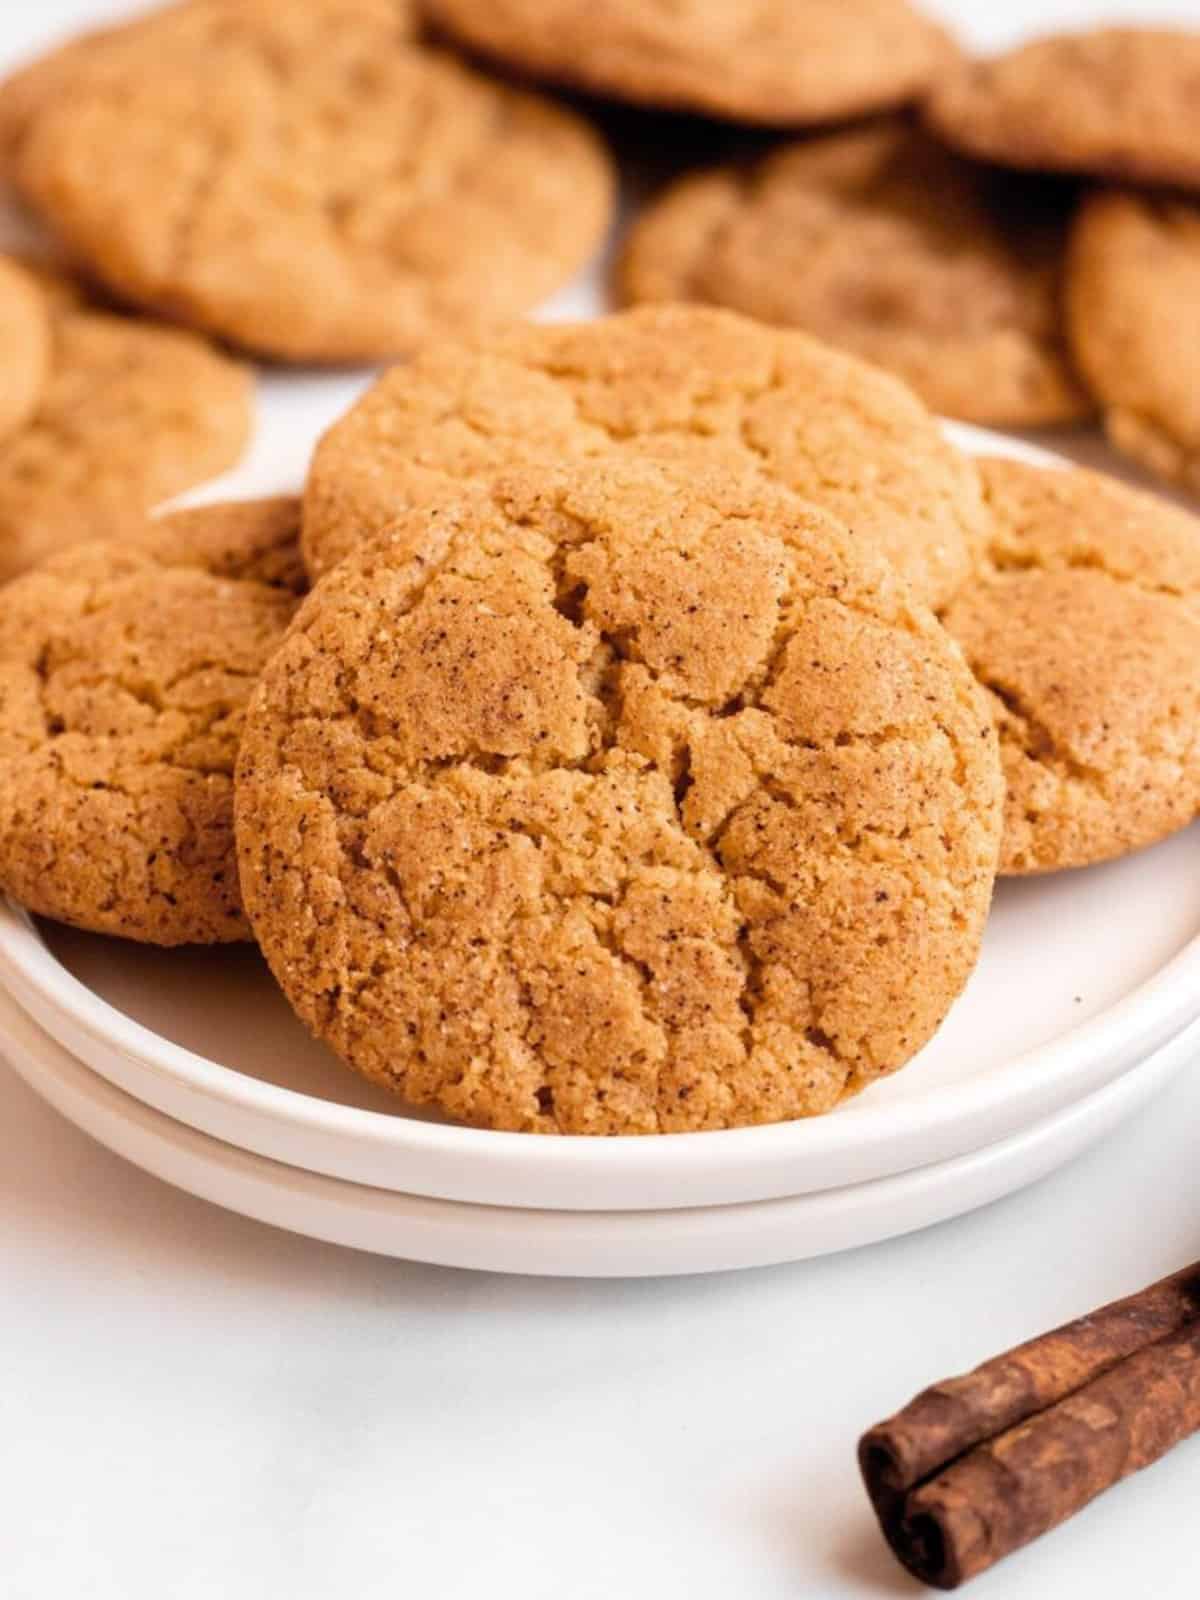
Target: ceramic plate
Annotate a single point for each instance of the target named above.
(205, 1037)
(566, 1243)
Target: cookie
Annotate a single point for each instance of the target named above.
(49, 77)
(254, 540)
(1133, 285)
(1084, 628)
(130, 414)
(24, 346)
(306, 182)
(774, 62)
(123, 683)
(687, 385)
(598, 803)
(1116, 102)
(882, 242)
(40, 81)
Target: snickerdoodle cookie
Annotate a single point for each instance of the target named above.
(1133, 288)
(24, 345)
(685, 384)
(1084, 628)
(123, 682)
(306, 181)
(252, 539)
(47, 77)
(596, 803)
(130, 414)
(883, 242)
(760, 61)
(1116, 102)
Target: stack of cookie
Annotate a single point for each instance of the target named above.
(325, 183)
(1073, 598)
(964, 252)
(670, 690)
(617, 775)
(1116, 107)
(310, 181)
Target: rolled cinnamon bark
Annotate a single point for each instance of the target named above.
(979, 1465)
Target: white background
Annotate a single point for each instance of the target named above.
(194, 1406)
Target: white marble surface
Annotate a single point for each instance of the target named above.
(195, 1406)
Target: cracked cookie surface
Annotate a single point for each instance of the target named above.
(689, 386)
(1132, 288)
(884, 243)
(759, 61)
(1114, 102)
(24, 345)
(130, 414)
(1084, 628)
(306, 181)
(593, 803)
(124, 675)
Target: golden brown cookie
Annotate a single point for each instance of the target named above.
(131, 414)
(305, 181)
(256, 540)
(594, 803)
(759, 61)
(1133, 286)
(123, 683)
(49, 77)
(1084, 628)
(882, 242)
(31, 87)
(687, 385)
(1116, 102)
(24, 345)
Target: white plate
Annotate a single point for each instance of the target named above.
(1083, 976)
(570, 1243)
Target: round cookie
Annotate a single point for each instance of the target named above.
(1116, 102)
(884, 243)
(685, 384)
(1084, 628)
(123, 683)
(131, 414)
(1133, 285)
(758, 61)
(596, 803)
(24, 345)
(305, 181)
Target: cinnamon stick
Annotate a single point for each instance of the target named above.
(978, 1466)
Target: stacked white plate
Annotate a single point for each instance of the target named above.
(190, 1064)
